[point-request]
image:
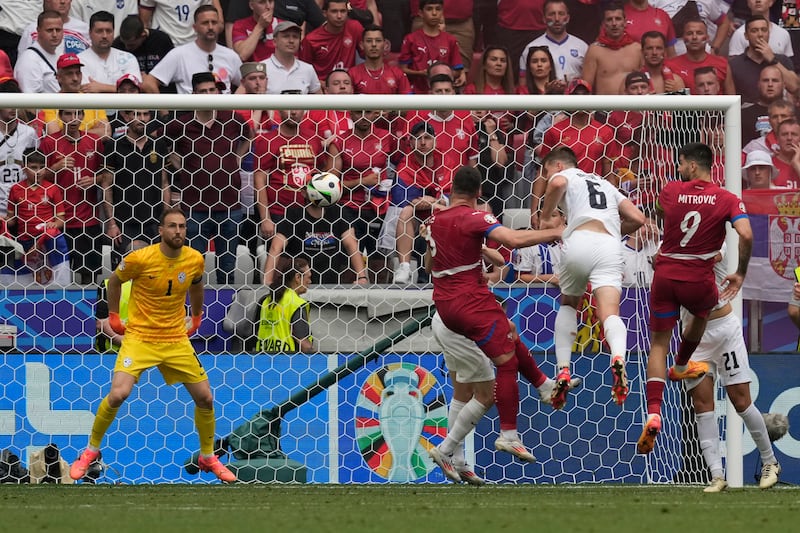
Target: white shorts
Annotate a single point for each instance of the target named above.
(590, 257)
(723, 348)
(461, 355)
(387, 239)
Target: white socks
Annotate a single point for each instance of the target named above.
(452, 416)
(708, 435)
(566, 328)
(754, 422)
(616, 335)
(468, 417)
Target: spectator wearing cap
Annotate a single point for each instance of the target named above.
(202, 54)
(284, 69)
(206, 151)
(127, 84)
(759, 171)
(36, 67)
(76, 31)
(94, 121)
(586, 137)
(167, 16)
(252, 36)
(102, 64)
(148, 46)
(613, 54)
(334, 44)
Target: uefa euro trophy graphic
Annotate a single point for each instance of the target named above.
(401, 416)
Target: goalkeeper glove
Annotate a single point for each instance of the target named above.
(116, 323)
(195, 325)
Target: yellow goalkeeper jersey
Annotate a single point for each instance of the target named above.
(157, 306)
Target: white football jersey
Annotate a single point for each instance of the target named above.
(590, 197)
(175, 17)
(11, 150)
(567, 54)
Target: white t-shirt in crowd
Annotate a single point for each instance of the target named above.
(37, 75)
(301, 76)
(109, 70)
(567, 54)
(182, 62)
(76, 37)
(779, 41)
(175, 17)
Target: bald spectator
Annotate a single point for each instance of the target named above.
(36, 69)
(755, 118)
(613, 55)
(148, 46)
(695, 36)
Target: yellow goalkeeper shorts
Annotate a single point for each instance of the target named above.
(177, 361)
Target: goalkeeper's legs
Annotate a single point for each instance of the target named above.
(204, 420)
(121, 387)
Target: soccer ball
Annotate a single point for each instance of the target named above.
(324, 189)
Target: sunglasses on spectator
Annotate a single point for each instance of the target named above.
(210, 63)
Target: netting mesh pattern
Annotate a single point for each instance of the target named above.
(242, 188)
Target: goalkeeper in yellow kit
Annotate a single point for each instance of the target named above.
(157, 335)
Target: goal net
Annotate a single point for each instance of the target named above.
(371, 398)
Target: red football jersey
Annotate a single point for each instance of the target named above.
(589, 143)
(420, 50)
(288, 163)
(388, 80)
(79, 202)
(35, 205)
(328, 51)
(695, 213)
(684, 67)
(456, 236)
(456, 140)
(360, 156)
(242, 29)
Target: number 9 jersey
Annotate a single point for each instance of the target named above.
(694, 213)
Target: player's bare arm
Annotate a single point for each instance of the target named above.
(735, 280)
(520, 238)
(556, 187)
(632, 217)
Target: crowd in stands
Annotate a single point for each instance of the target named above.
(240, 175)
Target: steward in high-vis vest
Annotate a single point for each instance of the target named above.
(283, 324)
(105, 337)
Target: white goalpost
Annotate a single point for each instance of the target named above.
(329, 434)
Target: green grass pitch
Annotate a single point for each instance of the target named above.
(413, 508)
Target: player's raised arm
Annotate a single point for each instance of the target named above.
(556, 187)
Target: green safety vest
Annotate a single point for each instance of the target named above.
(124, 297)
(275, 323)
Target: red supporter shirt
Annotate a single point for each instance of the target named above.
(786, 177)
(420, 50)
(288, 164)
(34, 205)
(589, 143)
(359, 156)
(684, 67)
(388, 80)
(695, 213)
(487, 89)
(637, 23)
(521, 14)
(456, 140)
(328, 51)
(327, 122)
(456, 237)
(242, 29)
(79, 208)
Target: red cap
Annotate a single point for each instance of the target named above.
(68, 60)
(577, 82)
(131, 78)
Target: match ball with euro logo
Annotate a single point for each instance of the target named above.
(324, 189)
